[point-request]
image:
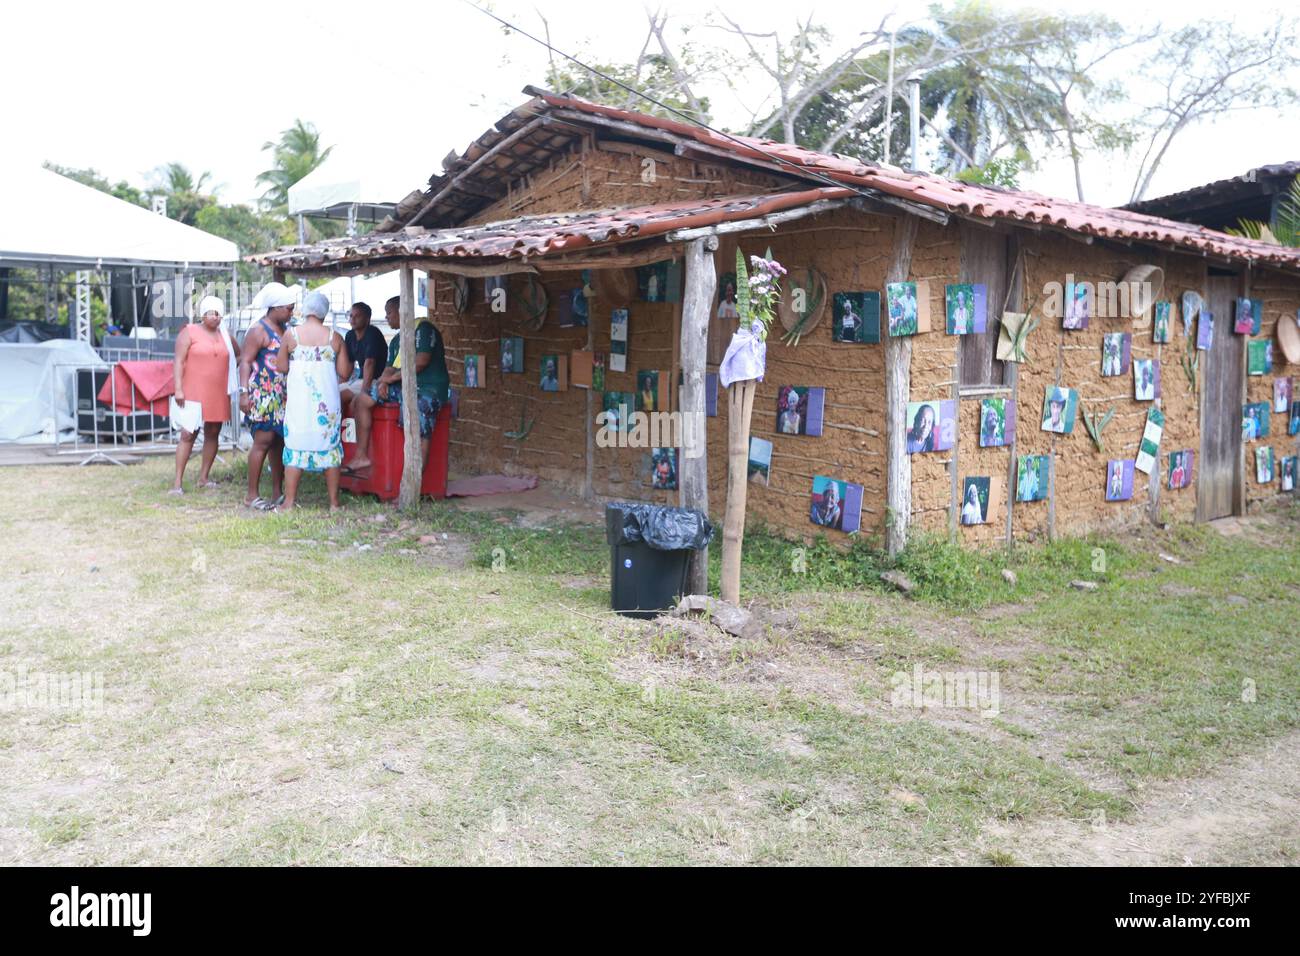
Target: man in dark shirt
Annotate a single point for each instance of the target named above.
(432, 383)
(368, 351)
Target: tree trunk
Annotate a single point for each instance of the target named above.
(898, 384)
(693, 466)
(740, 405)
(408, 497)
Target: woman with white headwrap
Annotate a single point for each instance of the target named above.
(261, 392)
(206, 376)
(315, 360)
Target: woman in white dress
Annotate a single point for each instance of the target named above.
(316, 361)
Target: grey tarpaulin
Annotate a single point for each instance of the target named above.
(660, 527)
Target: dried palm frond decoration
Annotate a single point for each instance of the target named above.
(806, 288)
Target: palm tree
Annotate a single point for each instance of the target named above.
(296, 154)
(186, 195)
(1285, 227)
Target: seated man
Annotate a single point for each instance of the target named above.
(433, 385)
(368, 352)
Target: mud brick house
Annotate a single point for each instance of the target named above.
(566, 195)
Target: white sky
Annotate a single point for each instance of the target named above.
(125, 87)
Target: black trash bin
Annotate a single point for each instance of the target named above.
(649, 552)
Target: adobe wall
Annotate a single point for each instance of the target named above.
(852, 249)
(1280, 295)
(609, 174)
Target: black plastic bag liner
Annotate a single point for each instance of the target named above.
(660, 527)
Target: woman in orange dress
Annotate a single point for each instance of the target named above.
(203, 366)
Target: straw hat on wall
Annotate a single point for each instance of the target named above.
(1288, 337)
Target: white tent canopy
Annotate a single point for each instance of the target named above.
(48, 218)
(374, 185)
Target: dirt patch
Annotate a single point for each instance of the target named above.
(1248, 812)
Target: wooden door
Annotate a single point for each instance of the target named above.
(1222, 382)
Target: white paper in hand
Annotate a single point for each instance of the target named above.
(350, 431)
(189, 418)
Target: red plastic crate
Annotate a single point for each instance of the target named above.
(387, 453)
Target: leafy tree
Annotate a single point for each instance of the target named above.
(185, 194)
(250, 230)
(295, 154)
(92, 178)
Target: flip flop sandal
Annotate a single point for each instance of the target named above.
(176, 492)
(257, 504)
(277, 502)
(208, 484)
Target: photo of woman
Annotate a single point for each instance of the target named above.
(920, 437)
(1119, 480)
(975, 501)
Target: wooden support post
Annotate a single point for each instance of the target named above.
(898, 385)
(740, 406)
(408, 498)
(693, 463)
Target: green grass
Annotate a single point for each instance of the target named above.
(306, 689)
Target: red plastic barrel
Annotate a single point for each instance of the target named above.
(387, 453)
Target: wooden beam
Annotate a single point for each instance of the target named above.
(770, 221)
(898, 385)
(451, 267)
(408, 497)
(626, 260)
(693, 466)
(473, 167)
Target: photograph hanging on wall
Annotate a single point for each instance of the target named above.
(1060, 407)
(966, 308)
(931, 426)
(1288, 472)
(572, 307)
(1192, 305)
(711, 394)
(1259, 357)
(1119, 480)
(660, 281)
(760, 460)
(1264, 464)
(1162, 321)
(727, 308)
(474, 371)
(1282, 395)
(618, 340)
(1204, 329)
(598, 371)
(799, 410)
(1146, 380)
(1254, 421)
(1033, 477)
(1180, 469)
(997, 422)
(1078, 306)
(979, 498)
(647, 391)
(1116, 352)
(1149, 448)
(909, 307)
(1247, 315)
(512, 355)
(617, 411)
(836, 504)
(855, 317)
(663, 469)
(555, 373)
(1293, 422)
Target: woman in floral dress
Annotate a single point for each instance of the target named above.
(316, 361)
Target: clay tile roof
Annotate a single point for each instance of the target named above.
(536, 236)
(547, 125)
(984, 202)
